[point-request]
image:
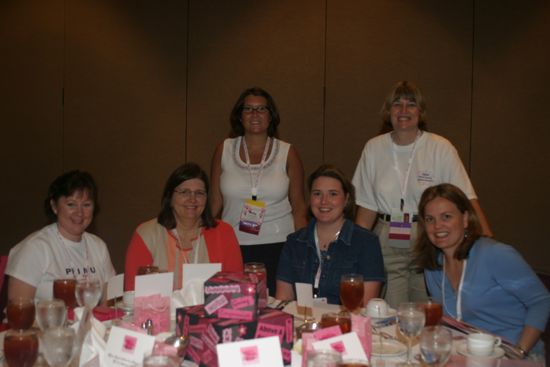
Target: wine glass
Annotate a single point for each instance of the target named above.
(351, 291)
(435, 345)
(50, 313)
(20, 348)
(64, 289)
(59, 346)
(20, 313)
(410, 318)
(88, 292)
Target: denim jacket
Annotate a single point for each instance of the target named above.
(356, 250)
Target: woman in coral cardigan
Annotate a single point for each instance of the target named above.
(183, 232)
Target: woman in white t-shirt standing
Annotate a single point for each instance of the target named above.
(394, 169)
(258, 182)
(62, 249)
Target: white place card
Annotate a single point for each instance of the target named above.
(348, 345)
(150, 284)
(194, 272)
(262, 352)
(115, 286)
(304, 294)
(127, 348)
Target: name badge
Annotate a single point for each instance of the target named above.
(252, 216)
(399, 234)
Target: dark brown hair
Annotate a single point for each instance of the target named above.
(328, 170)
(183, 173)
(425, 254)
(237, 128)
(66, 185)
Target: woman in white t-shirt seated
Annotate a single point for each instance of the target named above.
(62, 249)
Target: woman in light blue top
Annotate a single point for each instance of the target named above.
(478, 280)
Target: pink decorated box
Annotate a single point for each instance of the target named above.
(205, 332)
(231, 296)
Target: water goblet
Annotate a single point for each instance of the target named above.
(351, 291)
(20, 348)
(50, 313)
(88, 292)
(435, 345)
(59, 346)
(410, 319)
(20, 313)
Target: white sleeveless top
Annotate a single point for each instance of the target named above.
(235, 185)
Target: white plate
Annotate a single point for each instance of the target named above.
(389, 348)
(462, 348)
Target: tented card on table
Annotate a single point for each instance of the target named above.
(199, 271)
(127, 348)
(262, 352)
(150, 284)
(346, 344)
(115, 286)
(304, 294)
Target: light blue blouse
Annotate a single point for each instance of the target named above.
(500, 292)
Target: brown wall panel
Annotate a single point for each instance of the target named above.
(372, 45)
(510, 159)
(150, 84)
(125, 106)
(31, 49)
(277, 45)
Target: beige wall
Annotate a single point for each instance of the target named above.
(128, 90)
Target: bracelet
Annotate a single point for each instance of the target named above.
(523, 352)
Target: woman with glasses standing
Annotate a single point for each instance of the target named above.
(258, 181)
(184, 231)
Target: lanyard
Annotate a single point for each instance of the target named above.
(255, 178)
(459, 295)
(404, 180)
(180, 250)
(318, 275)
(318, 248)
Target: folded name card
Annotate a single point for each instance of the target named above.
(150, 284)
(127, 348)
(346, 344)
(262, 352)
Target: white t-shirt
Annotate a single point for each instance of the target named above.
(378, 184)
(45, 255)
(235, 185)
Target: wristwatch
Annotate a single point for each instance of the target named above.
(523, 352)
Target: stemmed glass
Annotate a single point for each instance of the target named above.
(351, 291)
(20, 347)
(411, 319)
(435, 345)
(59, 346)
(50, 313)
(88, 292)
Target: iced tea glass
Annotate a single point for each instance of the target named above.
(64, 289)
(351, 291)
(20, 348)
(341, 319)
(434, 312)
(20, 313)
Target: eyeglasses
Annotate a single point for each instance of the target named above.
(187, 194)
(258, 109)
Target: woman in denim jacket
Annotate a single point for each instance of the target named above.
(331, 245)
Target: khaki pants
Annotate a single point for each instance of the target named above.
(403, 283)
